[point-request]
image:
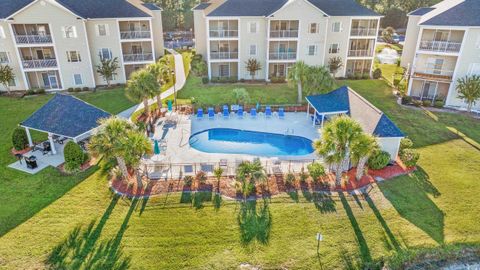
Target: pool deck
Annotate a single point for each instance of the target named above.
(178, 149)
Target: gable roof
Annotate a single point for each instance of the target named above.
(465, 13)
(201, 6)
(346, 100)
(88, 9)
(65, 115)
(267, 7)
(151, 6)
(421, 11)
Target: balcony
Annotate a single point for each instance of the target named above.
(284, 34)
(135, 35)
(284, 29)
(32, 33)
(223, 29)
(33, 39)
(39, 63)
(223, 55)
(223, 33)
(362, 32)
(142, 57)
(360, 53)
(433, 73)
(282, 55)
(440, 46)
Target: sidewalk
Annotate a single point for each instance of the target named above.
(180, 82)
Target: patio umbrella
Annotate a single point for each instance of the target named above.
(156, 148)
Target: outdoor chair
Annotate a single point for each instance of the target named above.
(200, 113)
(281, 113)
(47, 148)
(31, 162)
(253, 113)
(240, 112)
(226, 113)
(268, 112)
(211, 113)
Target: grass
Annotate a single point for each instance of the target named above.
(24, 195)
(390, 72)
(88, 228)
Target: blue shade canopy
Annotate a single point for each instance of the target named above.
(333, 102)
(386, 128)
(65, 115)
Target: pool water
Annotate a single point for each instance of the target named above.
(234, 141)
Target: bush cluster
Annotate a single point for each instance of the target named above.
(19, 139)
(38, 91)
(379, 160)
(74, 157)
(377, 74)
(277, 79)
(316, 170)
(358, 76)
(408, 155)
(224, 80)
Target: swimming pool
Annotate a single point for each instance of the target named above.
(235, 141)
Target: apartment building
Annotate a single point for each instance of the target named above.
(442, 44)
(57, 44)
(280, 32)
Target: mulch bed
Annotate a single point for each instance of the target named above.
(274, 186)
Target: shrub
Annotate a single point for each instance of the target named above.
(78, 89)
(379, 160)
(417, 102)
(316, 170)
(303, 176)
(85, 89)
(409, 157)
(439, 104)
(406, 100)
(396, 82)
(277, 79)
(357, 76)
(365, 76)
(188, 180)
(30, 92)
(70, 89)
(205, 80)
(405, 143)
(201, 177)
(19, 139)
(377, 74)
(427, 103)
(40, 91)
(289, 179)
(74, 157)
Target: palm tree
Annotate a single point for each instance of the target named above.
(468, 89)
(6, 76)
(319, 80)
(218, 172)
(248, 173)
(298, 75)
(253, 65)
(159, 70)
(106, 141)
(337, 137)
(108, 68)
(362, 149)
(141, 87)
(134, 145)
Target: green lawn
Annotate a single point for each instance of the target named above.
(87, 228)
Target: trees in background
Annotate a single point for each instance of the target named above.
(252, 66)
(387, 34)
(468, 89)
(6, 76)
(309, 79)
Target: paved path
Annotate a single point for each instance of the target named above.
(180, 82)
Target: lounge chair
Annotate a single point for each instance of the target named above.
(253, 113)
(281, 113)
(226, 113)
(47, 148)
(200, 113)
(240, 112)
(211, 113)
(318, 121)
(268, 112)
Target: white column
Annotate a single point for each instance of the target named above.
(30, 142)
(314, 118)
(323, 119)
(52, 144)
(308, 109)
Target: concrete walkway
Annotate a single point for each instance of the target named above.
(180, 82)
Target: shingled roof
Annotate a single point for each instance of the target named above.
(465, 13)
(65, 115)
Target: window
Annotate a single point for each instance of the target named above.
(312, 50)
(313, 28)
(334, 48)
(252, 27)
(105, 53)
(2, 32)
(253, 50)
(337, 27)
(102, 30)
(77, 79)
(224, 70)
(73, 56)
(69, 32)
(12, 83)
(4, 58)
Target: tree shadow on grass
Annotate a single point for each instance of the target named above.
(217, 201)
(294, 195)
(200, 197)
(362, 243)
(82, 250)
(255, 222)
(409, 196)
(324, 203)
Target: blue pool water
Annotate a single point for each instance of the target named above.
(234, 141)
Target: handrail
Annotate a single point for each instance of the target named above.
(33, 39)
(363, 31)
(283, 55)
(220, 33)
(138, 57)
(284, 33)
(357, 53)
(224, 55)
(39, 63)
(134, 34)
(440, 46)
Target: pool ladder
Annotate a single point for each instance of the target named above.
(289, 131)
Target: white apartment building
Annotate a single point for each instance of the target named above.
(442, 44)
(57, 44)
(280, 32)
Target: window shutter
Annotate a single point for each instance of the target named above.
(107, 30)
(97, 29)
(64, 33)
(2, 32)
(74, 30)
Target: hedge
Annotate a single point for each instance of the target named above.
(379, 160)
(19, 139)
(74, 157)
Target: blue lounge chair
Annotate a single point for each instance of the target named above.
(268, 112)
(281, 113)
(226, 113)
(253, 113)
(211, 113)
(200, 113)
(240, 112)
(318, 121)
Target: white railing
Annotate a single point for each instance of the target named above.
(282, 55)
(137, 57)
(134, 34)
(39, 63)
(33, 39)
(223, 33)
(284, 33)
(224, 55)
(440, 46)
(360, 53)
(363, 32)
(435, 71)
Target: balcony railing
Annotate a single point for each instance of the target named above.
(433, 73)
(363, 32)
(284, 33)
(440, 46)
(224, 55)
(360, 53)
(283, 55)
(135, 34)
(223, 33)
(33, 39)
(39, 63)
(138, 57)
